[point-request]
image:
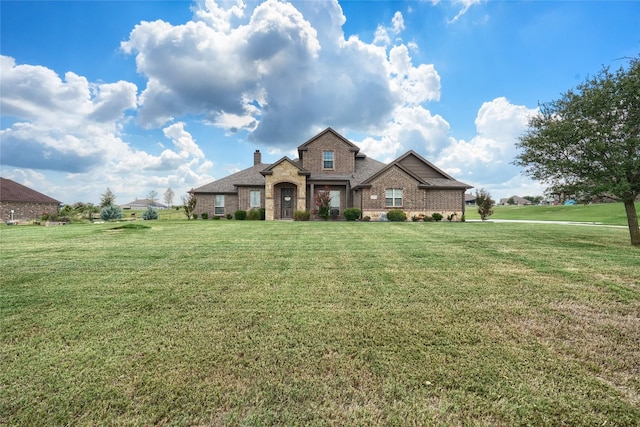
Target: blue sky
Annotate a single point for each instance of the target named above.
(142, 96)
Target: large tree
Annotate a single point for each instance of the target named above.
(588, 141)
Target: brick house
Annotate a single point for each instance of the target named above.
(26, 204)
(328, 160)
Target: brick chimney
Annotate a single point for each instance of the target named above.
(257, 158)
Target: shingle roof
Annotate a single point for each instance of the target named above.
(246, 177)
(11, 191)
(145, 203)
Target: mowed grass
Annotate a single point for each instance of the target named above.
(319, 323)
(605, 213)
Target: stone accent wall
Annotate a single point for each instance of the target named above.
(283, 172)
(25, 211)
(343, 159)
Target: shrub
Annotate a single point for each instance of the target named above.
(215, 217)
(462, 218)
(110, 213)
(263, 213)
(301, 215)
(351, 214)
(415, 218)
(366, 218)
(396, 215)
(428, 218)
(149, 214)
(205, 215)
(229, 216)
(240, 215)
(436, 216)
(451, 217)
(323, 202)
(253, 214)
(194, 216)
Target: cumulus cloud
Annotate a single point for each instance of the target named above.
(70, 125)
(277, 71)
(486, 158)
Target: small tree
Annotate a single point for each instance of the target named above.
(323, 202)
(153, 197)
(149, 214)
(107, 198)
(168, 197)
(111, 213)
(484, 204)
(189, 201)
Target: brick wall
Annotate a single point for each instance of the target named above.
(244, 197)
(206, 203)
(415, 201)
(445, 201)
(343, 158)
(25, 211)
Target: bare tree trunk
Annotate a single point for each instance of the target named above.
(632, 219)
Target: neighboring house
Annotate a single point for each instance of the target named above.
(515, 200)
(143, 204)
(469, 199)
(328, 160)
(26, 204)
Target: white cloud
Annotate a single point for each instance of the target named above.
(183, 139)
(397, 22)
(74, 127)
(485, 160)
(275, 70)
(466, 4)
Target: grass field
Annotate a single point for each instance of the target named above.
(319, 323)
(605, 213)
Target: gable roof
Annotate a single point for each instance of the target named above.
(145, 203)
(11, 191)
(270, 168)
(351, 145)
(424, 172)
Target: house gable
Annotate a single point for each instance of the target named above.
(340, 151)
(284, 166)
(421, 167)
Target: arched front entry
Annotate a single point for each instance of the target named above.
(285, 200)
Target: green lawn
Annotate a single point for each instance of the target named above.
(606, 213)
(319, 323)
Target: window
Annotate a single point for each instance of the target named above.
(218, 208)
(254, 199)
(334, 203)
(335, 199)
(327, 159)
(393, 197)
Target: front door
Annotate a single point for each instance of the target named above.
(287, 203)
